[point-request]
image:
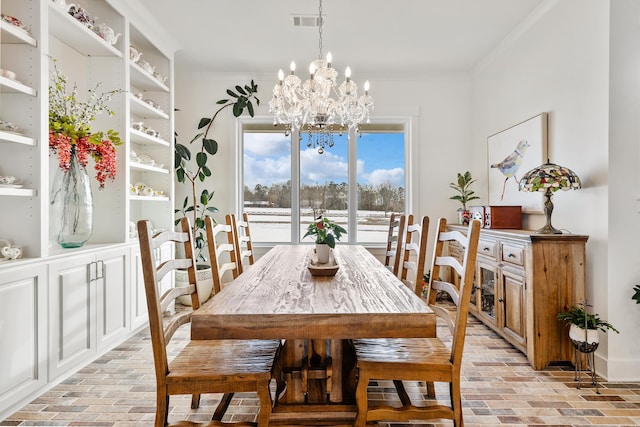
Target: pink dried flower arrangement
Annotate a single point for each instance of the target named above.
(70, 128)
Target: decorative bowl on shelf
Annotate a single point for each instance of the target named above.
(10, 127)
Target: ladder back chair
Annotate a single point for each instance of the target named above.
(241, 239)
(203, 366)
(415, 248)
(424, 359)
(394, 242)
(222, 252)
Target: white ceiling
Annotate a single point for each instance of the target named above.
(374, 37)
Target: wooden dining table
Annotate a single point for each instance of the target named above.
(279, 298)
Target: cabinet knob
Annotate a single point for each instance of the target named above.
(511, 255)
(500, 300)
(486, 248)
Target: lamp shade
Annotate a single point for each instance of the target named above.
(550, 176)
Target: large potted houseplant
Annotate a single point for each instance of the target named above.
(196, 205)
(465, 195)
(74, 142)
(584, 327)
(326, 233)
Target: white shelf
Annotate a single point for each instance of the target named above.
(12, 86)
(73, 33)
(144, 80)
(15, 35)
(20, 192)
(150, 198)
(16, 138)
(142, 138)
(143, 167)
(145, 110)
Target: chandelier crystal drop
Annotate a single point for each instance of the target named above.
(318, 105)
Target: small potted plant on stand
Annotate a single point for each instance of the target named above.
(583, 333)
(197, 206)
(326, 233)
(466, 195)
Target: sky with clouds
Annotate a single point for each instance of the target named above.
(267, 160)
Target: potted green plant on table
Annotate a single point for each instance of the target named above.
(465, 195)
(196, 205)
(584, 328)
(326, 233)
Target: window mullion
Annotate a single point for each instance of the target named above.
(352, 211)
(295, 187)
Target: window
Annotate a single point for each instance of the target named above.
(286, 184)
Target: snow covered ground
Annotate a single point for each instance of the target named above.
(274, 224)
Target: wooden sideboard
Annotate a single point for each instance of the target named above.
(523, 280)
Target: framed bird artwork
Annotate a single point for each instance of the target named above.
(511, 153)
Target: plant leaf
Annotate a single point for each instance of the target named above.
(232, 93)
(250, 108)
(210, 145)
(203, 122)
(201, 159)
(183, 151)
(240, 90)
(222, 101)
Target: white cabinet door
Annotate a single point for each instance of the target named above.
(72, 312)
(88, 307)
(23, 335)
(113, 301)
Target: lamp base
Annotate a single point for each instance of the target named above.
(548, 229)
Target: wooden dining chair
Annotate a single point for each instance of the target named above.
(414, 253)
(423, 359)
(222, 252)
(394, 242)
(203, 366)
(241, 239)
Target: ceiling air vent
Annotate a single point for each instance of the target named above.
(306, 21)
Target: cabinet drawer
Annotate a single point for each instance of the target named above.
(487, 248)
(513, 254)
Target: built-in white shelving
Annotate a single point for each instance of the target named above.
(73, 33)
(14, 35)
(13, 86)
(145, 110)
(16, 138)
(145, 139)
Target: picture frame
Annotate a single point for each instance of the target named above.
(511, 153)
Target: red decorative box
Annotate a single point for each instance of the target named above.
(497, 217)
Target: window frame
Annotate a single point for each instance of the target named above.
(379, 125)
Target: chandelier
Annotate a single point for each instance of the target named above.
(319, 106)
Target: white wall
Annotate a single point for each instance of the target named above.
(624, 180)
(558, 62)
(436, 105)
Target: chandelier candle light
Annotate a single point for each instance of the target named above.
(310, 107)
(549, 178)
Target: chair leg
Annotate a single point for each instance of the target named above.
(225, 400)
(431, 390)
(264, 414)
(162, 408)
(456, 403)
(195, 401)
(361, 401)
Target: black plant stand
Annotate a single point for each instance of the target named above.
(582, 347)
(585, 348)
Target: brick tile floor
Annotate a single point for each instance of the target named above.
(499, 388)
